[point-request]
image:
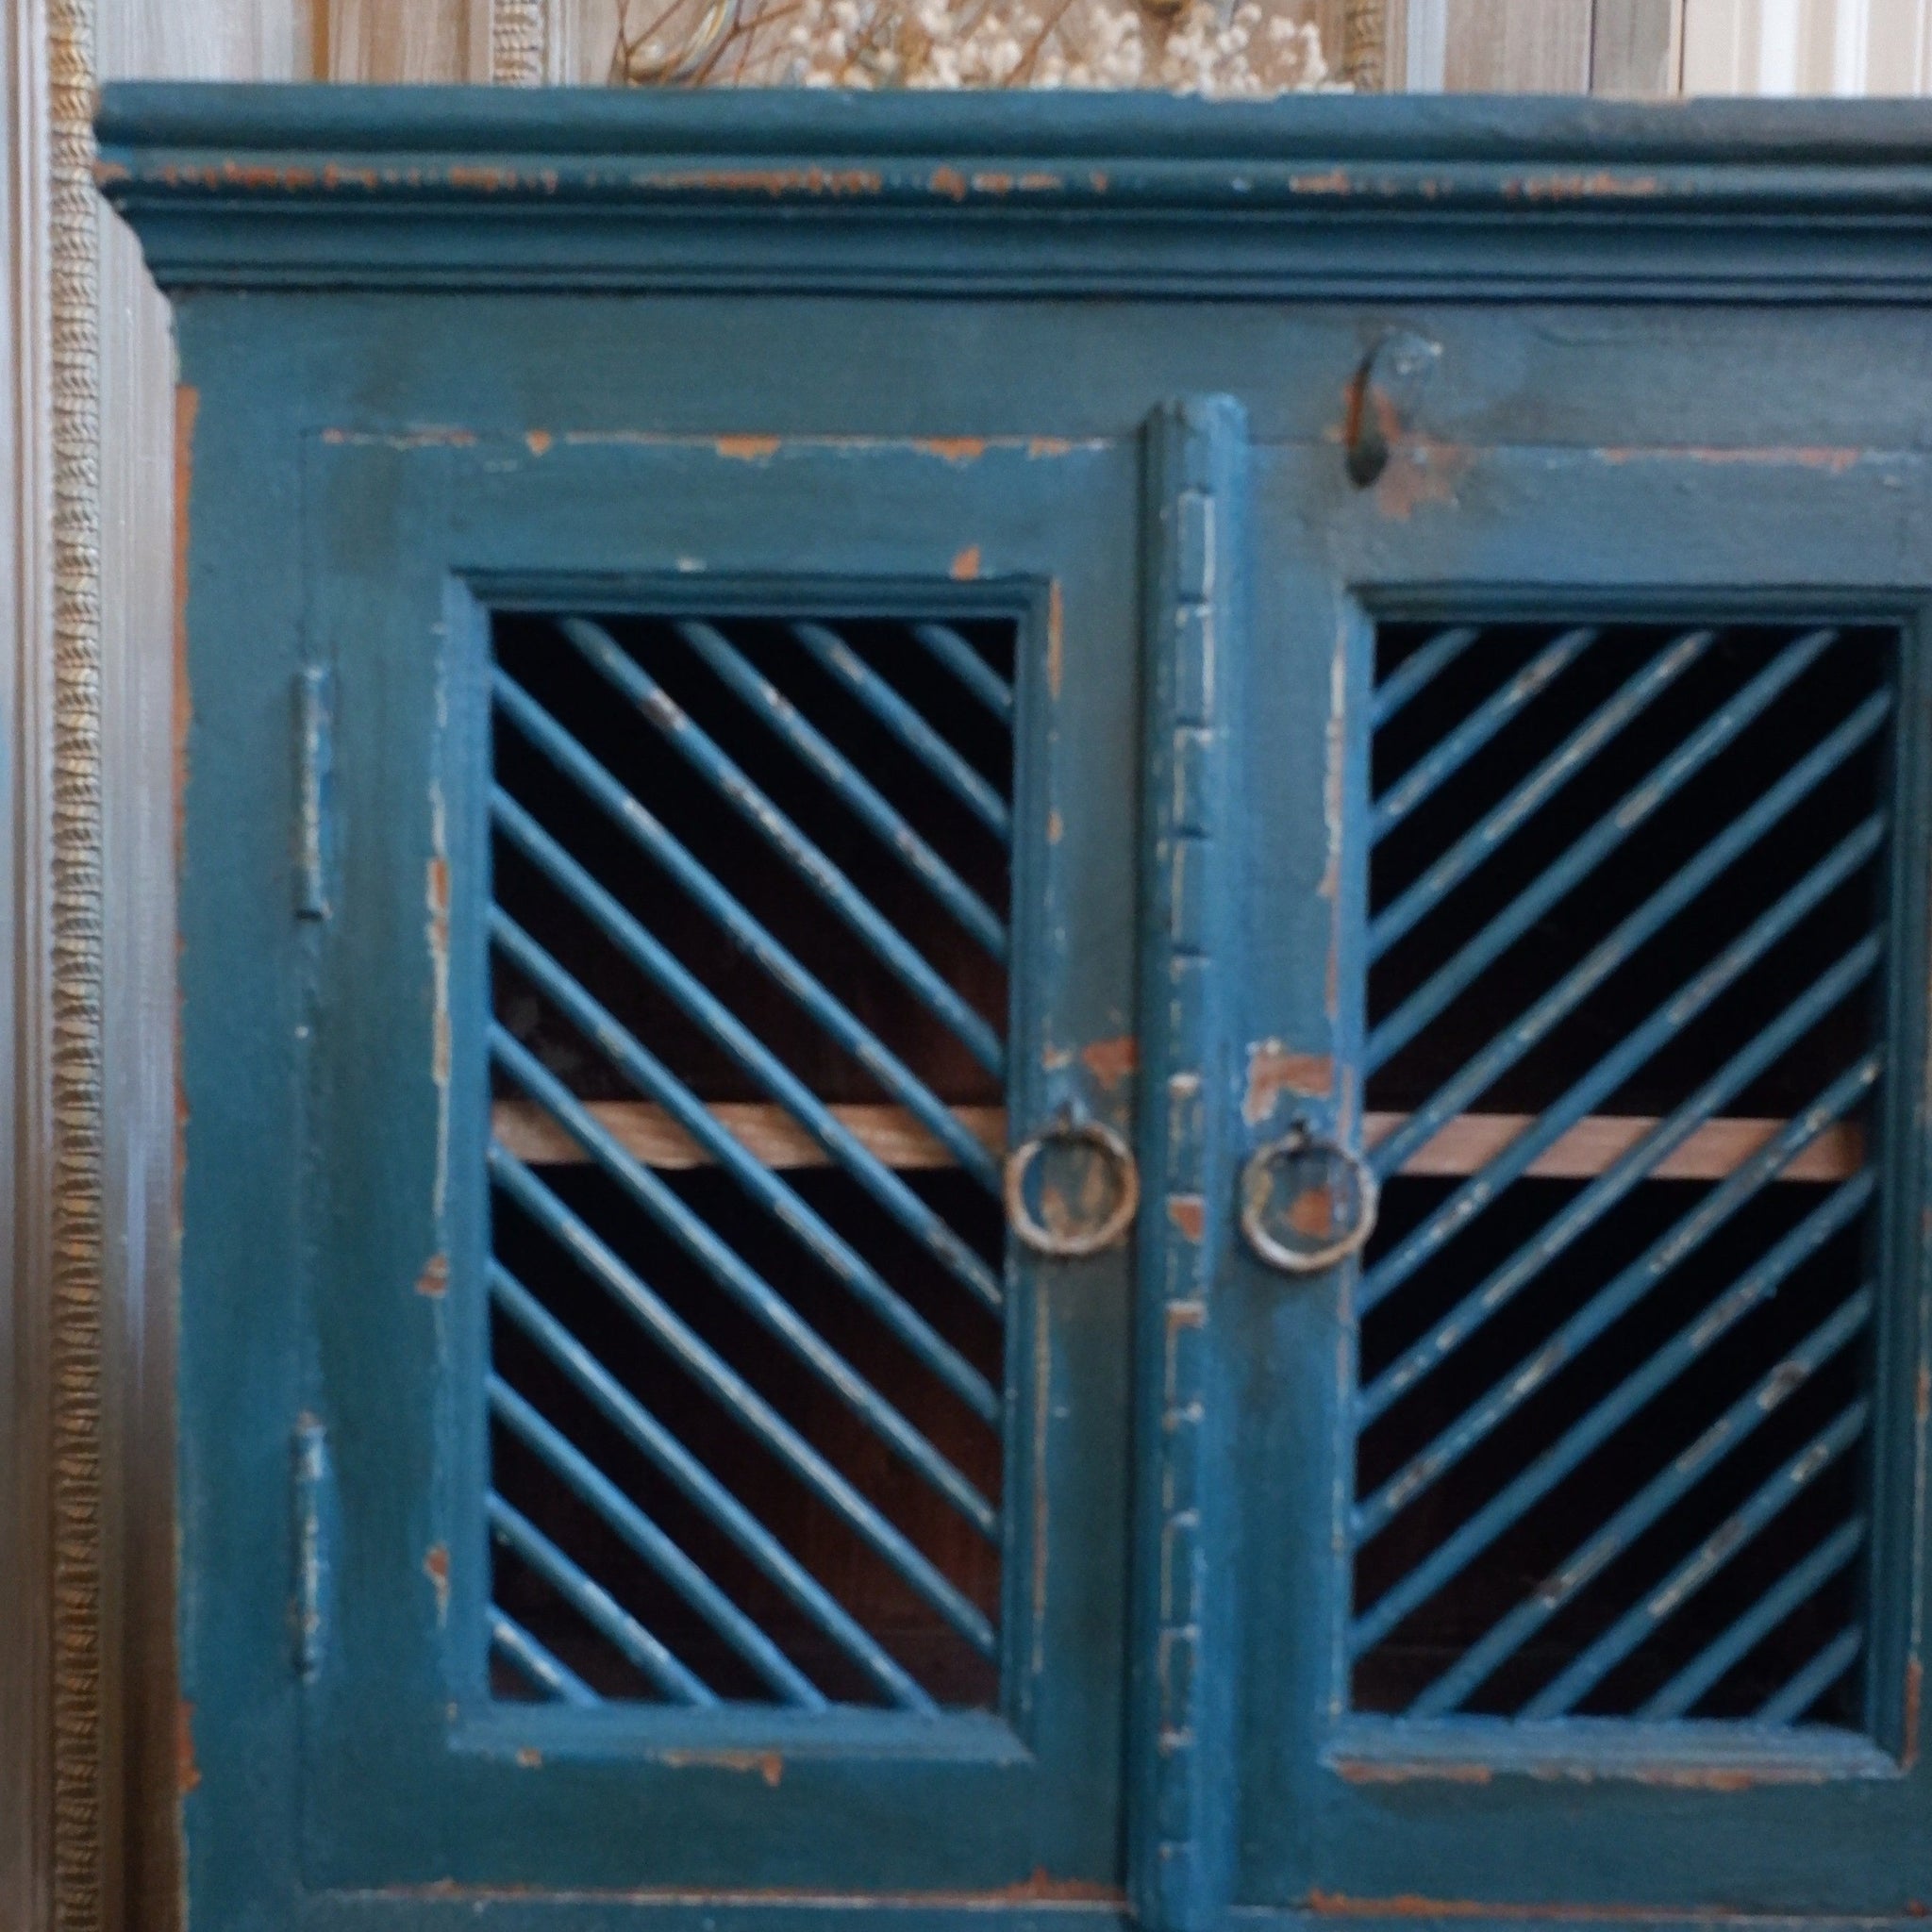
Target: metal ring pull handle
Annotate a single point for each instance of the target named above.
(1257, 1186)
(1103, 1233)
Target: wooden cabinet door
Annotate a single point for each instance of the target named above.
(714, 855)
(1580, 911)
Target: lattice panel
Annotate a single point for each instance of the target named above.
(1627, 926)
(749, 985)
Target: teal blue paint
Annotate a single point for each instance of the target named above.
(1682, 378)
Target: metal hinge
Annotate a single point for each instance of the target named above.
(312, 1542)
(314, 789)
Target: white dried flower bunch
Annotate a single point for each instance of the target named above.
(1237, 49)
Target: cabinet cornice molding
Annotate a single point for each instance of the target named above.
(1018, 194)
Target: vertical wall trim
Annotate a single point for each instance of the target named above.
(1365, 45)
(26, 1128)
(1426, 48)
(79, 1793)
(517, 42)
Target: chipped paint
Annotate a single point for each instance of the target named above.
(824, 182)
(769, 1765)
(1915, 1689)
(435, 899)
(436, 1567)
(1055, 640)
(965, 565)
(951, 449)
(1043, 1418)
(538, 441)
(1335, 181)
(1110, 1061)
(187, 1771)
(746, 449)
(1369, 1771)
(1422, 472)
(1056, 826)
(1275, 1070)
(529, 1757)
(1043, 1889)
(1833, 462)
(948, 182)
(1600, 186)
(434, 1279)
(1188, 1213)
(423, 436)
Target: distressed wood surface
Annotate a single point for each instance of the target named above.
(1500, 46)
(1720, 1147)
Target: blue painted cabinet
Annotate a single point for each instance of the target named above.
(1053, 1007)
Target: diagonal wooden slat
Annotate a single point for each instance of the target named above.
(1814, 1680)
(669, 975)
(544, 1440)
(969, 667)
(1569, 1687)
(1563, 875)
(1797, 1586)
(1640, 1160)
(859, 794)
(841, 663)
(1440, 763)
(702, 1489)
(1592, 1558)
(750, 934)
(1633, 929)
(707, 1133)
(1637, 1046)
(596, 1606)
(1608, 1304)
(1530, 794)
(536, 1665)
(739, 790)
(1419, 669)
(751, 1291)
(738, 1398)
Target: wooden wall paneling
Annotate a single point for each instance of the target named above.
(404, 40)
(1635, 47)
(1848, 47)
(1505, 46)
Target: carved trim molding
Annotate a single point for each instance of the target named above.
(76, 1325)
(517, 42)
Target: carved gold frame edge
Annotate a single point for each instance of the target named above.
(75, 1207)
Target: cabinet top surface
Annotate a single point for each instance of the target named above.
(1021, 194)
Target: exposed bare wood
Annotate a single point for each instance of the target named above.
(769, 1133)
(1717, 1148)
(1503, 46)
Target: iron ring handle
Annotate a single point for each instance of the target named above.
(1255, 1192)
(1105, 1233)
